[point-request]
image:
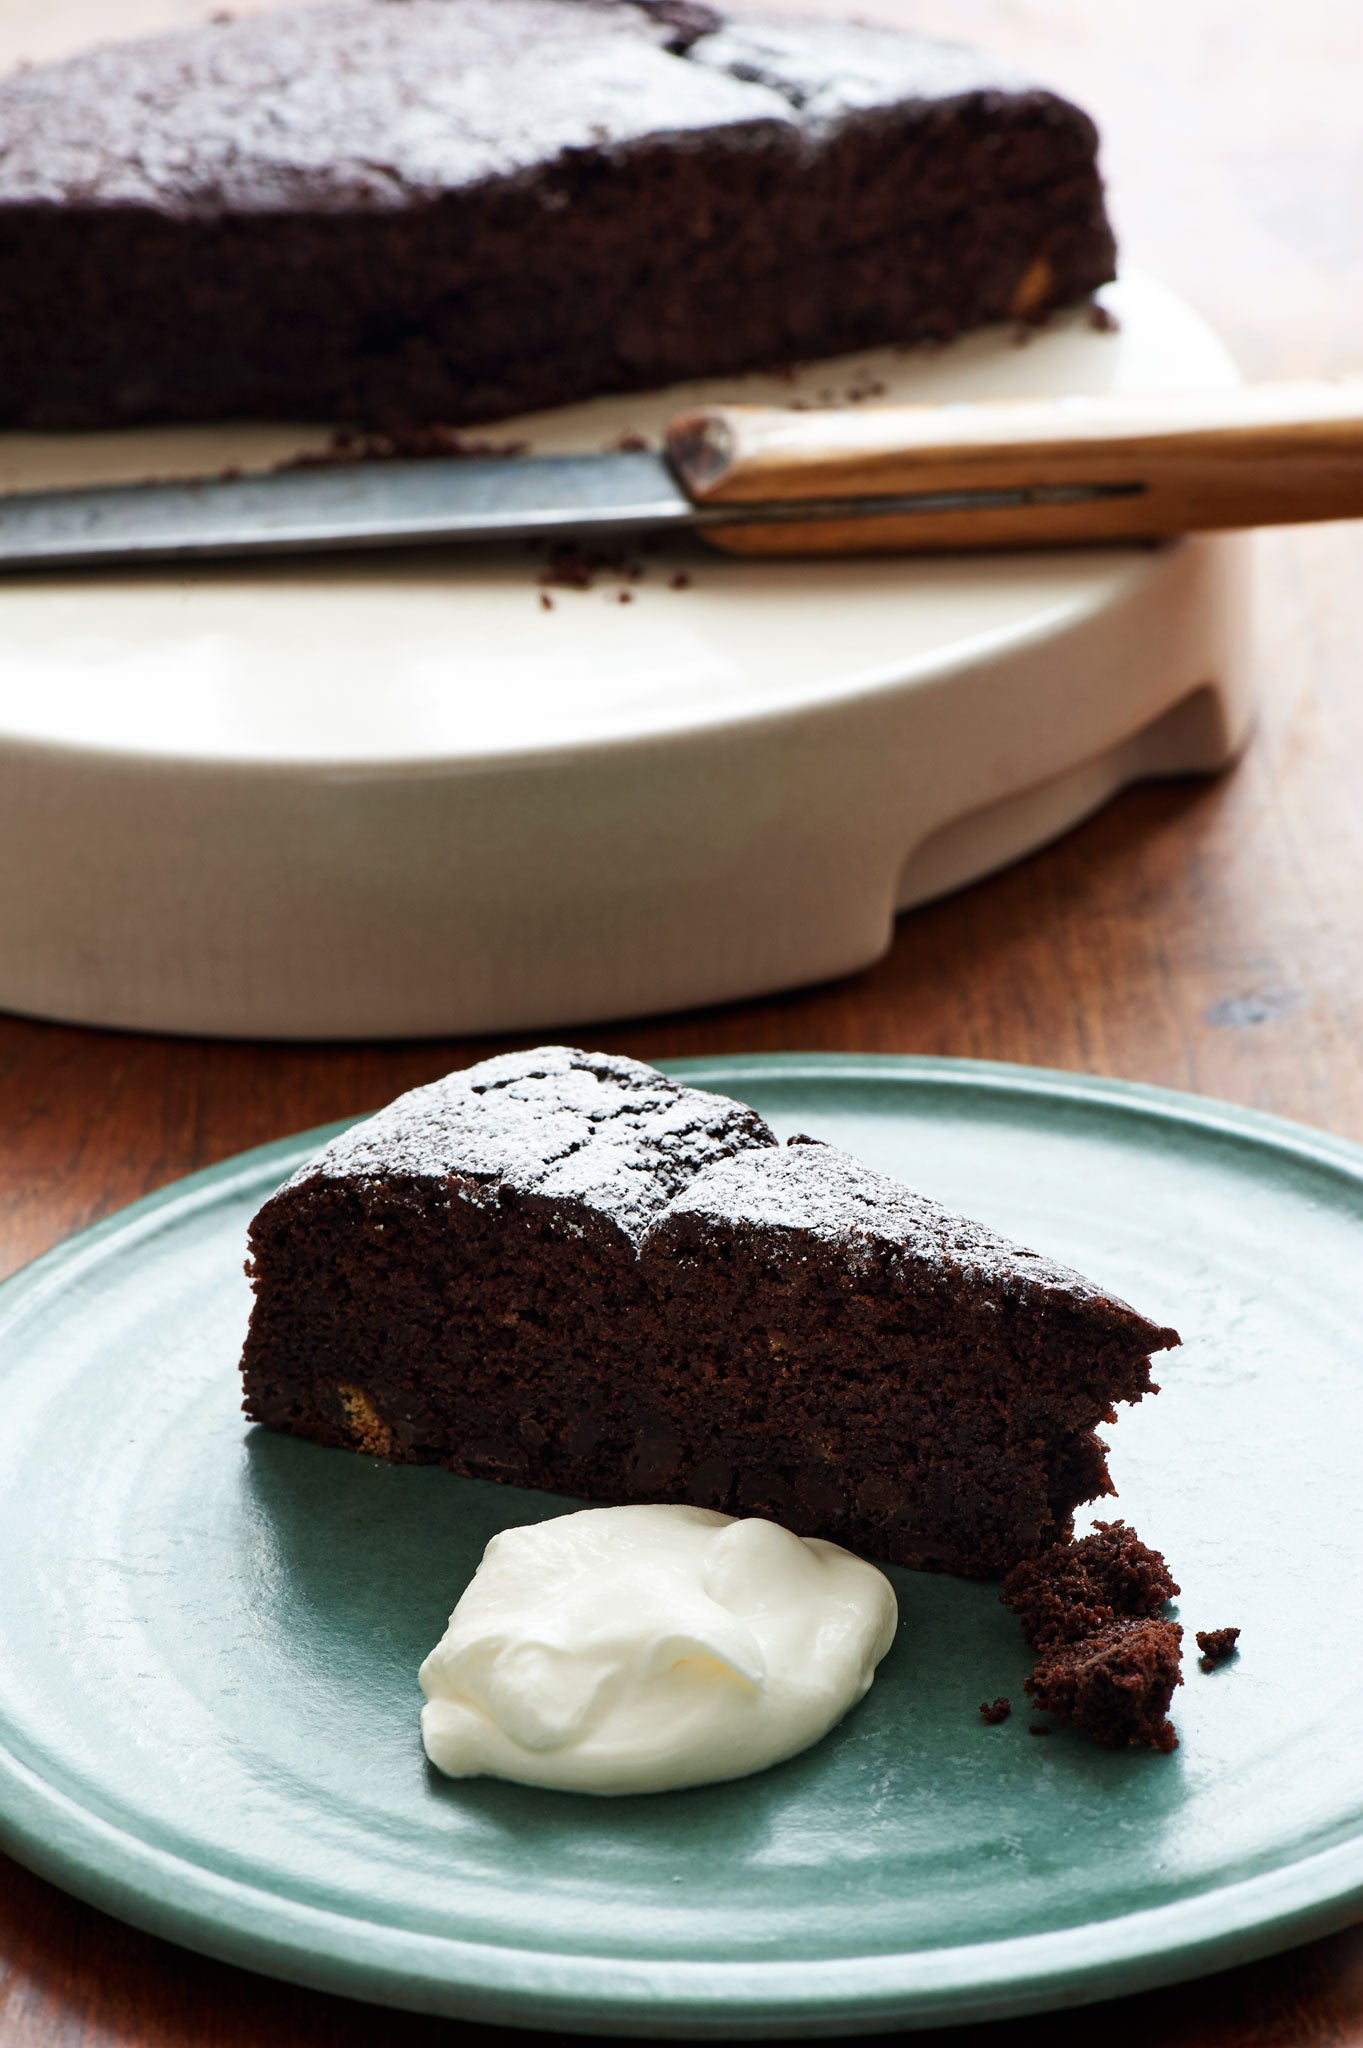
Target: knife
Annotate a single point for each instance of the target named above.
(1010, 473)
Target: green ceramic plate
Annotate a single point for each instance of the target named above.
(209, 1636)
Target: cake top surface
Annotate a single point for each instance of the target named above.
(374, 103)
(828, 70)
(814, 1188)
(610, 1134)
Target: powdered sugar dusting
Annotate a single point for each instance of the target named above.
(821, 1191)
(610, 1134)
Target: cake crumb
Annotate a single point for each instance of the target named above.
(569, 568)
(546, 602)
(1082, 1585)
(1108, 1663)
(624, 597)
(1216, 1645)
(1038, 1728)
(400, 444)
(679, 580)
(999, 1711)
(572, 567)
(1115, 1685)
(1102, 319)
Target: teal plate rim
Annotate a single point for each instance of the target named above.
(260, 1930)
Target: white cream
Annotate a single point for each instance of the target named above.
(637, 1649)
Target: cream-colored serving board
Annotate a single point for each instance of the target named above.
(398, 796)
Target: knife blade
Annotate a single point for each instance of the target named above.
(1009, 473)
(373, 504)
(393, 504)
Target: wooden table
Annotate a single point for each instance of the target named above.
(1206, 936)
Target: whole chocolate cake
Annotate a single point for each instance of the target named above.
(396, 210)
(564, 1270)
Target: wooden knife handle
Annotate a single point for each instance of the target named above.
(1253, 455)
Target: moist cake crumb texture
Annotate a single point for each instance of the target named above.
(1080, 1586)
(1108, 1661)
(1114, 1685)
(1216, 1645)
(992, 1713)
(566, 1271)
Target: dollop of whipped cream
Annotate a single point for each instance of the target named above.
(637, 1649)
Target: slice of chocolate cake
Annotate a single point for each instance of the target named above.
(398, 210)
(566, 1271)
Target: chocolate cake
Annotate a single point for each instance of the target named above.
(1108, 1661)
(564, 1270)
(451, 210)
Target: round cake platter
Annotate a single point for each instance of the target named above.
(210, 1634)
(383, 796)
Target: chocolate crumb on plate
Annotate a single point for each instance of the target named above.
(573, 567)
(1082, 1584)
(1115, 1685)
(1217, 1646)
(1107, 1663)
(999, 1711)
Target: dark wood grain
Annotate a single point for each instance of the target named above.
(1206, 936)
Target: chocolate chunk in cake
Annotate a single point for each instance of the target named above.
(1217, 1646)
(566, 1271)
(1115, 1684)
(1080, 1586)
(999, 1711)
(451, 210)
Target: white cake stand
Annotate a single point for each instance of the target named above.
(391, 797)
